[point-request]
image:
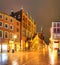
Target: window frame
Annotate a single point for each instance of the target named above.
(7, 34)
(12, 27)
(2, 24)
(6, 27)
(11, 20)
(2, 34)
(2, 16)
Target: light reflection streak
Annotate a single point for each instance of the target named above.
(52, 58)
(4, 57)
(53, 55)
(14, 62)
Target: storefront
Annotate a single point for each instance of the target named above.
(11, 46)
(4, 47)
(0, 47)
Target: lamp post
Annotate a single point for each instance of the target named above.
(15, 37)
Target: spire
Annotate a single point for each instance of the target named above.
(21, 7)
(41, 29)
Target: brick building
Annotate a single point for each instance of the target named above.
(27, 27)
(9, 33)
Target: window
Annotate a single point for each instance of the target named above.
(1, 33)
(11, 27)
(19, 17)
(11, 35)
(54, 25)
(1, 24)
(11, 20)
(23, 18)
(24, 33)
(58, 30)
(15, 16)
(17, 30)
(6, 18)
(54, 30)
(0, 16)
(58, 24)
(6, 25)
(6, 34)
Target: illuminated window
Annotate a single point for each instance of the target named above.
(6, 34)
(11, 27)
(6, 25)
(1, 33)
(1, 24)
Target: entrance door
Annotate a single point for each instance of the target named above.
(4, 47)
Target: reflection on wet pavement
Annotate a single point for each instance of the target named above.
(30, 58)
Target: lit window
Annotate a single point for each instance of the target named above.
(1, 33)
(11, 27)
(6, 34)
(6, 25)
(0, 16)
(1, 24)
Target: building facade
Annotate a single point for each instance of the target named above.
(55, 35)
(9, 33)
(28, 26)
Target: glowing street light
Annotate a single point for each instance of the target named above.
(15, 37)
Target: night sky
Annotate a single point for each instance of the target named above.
(43, 11)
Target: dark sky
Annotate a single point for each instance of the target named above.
(43, 11)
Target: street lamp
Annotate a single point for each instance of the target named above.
(15, 37)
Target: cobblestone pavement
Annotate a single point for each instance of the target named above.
(30, 58)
